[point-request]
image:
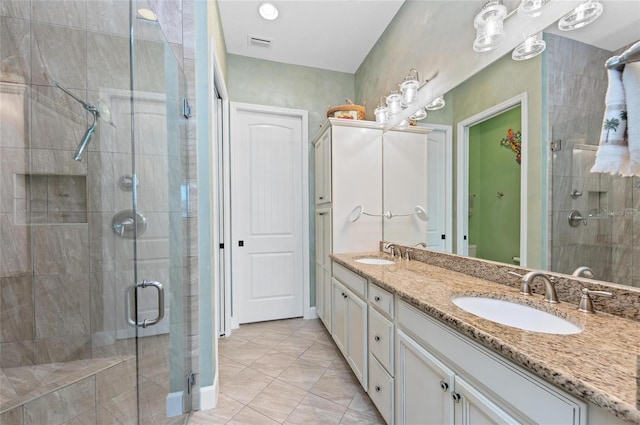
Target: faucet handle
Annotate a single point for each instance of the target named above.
(407, 254)
(586, 305)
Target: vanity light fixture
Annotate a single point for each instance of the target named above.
(489, 24)
(268, 11)
(147, 14)
(581, 16)
(529, 48)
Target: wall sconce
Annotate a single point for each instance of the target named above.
(581, 16)
(532, 8)
(489, 24)
(529, 48)
(409, 88)
(436, 104)
(381, 112)
(394, 102)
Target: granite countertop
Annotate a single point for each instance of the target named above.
(599, 365)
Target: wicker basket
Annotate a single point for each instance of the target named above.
(347, 111)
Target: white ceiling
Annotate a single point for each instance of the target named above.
(338, 34)
(328, 34)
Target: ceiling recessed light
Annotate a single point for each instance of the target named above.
(268, 11)
(147, 14)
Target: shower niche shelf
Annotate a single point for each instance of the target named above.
(50, 198)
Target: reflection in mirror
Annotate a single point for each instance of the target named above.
(566, 88)
(493, 188)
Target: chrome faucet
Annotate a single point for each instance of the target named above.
(407, 254)
(391, 247)
(583, 271)
(550, 295)
(422, 244)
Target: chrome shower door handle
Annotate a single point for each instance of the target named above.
(130, 303)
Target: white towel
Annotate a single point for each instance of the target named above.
(613, 153)
(631, 84)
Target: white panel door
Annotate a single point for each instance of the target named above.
(436, 193)
(267, 215)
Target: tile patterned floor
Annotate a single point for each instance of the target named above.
(286, 372)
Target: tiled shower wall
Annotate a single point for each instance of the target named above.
(62, 270)
(611, 244)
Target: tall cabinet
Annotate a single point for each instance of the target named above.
(348, 173)
(348, 178)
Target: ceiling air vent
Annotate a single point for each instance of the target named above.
(258, 41)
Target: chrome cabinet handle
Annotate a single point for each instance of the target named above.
(130, 303)
(377, 338)
(376, 298)
(378, 388)
(455, 397)
(444, 386)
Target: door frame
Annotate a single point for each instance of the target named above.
(235, 107)
(462, 173)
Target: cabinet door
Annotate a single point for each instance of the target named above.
(472, 407)
(357, 336)
(326, 314)
(320, 291)
(339, 316)
(423, 385)
(321, 248)
(322, 150)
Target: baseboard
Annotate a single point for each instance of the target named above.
(209, 397)
(174, 404)
(310, 313)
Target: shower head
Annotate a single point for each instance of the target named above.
(101, 111)
(87, 137)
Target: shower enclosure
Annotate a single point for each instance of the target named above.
(94, 242)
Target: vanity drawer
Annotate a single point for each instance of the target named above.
(381, 300)
(353, 281)
(381, 339)
(381, 389)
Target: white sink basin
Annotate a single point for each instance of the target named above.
(516, 315)
(376, 261)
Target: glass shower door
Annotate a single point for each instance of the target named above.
(158, 225)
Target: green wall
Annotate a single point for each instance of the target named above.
(494, 225)
(501, 81)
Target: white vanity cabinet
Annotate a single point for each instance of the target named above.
(349, 320)
(467, 382)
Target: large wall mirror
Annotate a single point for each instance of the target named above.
(485, 200)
